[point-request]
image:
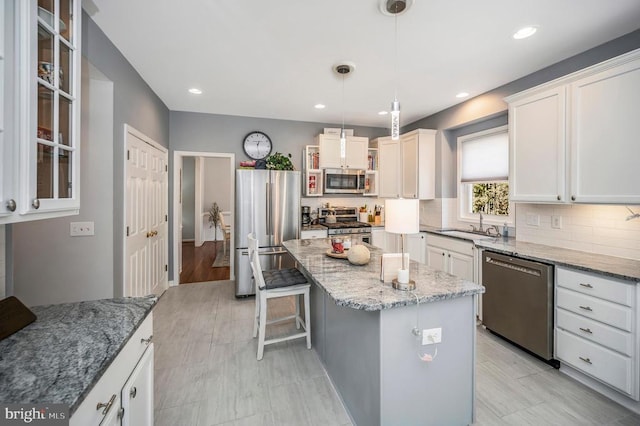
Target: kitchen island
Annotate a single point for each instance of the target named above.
(362, 331)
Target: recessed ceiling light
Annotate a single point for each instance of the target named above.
(462, 95)
(383, 113)
(319, 106)
(195, 91)
(525, 32)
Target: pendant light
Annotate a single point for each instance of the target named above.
(395, 7)
(343, 70)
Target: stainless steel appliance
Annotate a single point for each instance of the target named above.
(339, 181)
(345, 224)
(268, 204)
(306, 215)
(518, 302)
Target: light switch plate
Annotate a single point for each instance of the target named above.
(556, 222)
(533, 219)
(431, 336)
(81, 229)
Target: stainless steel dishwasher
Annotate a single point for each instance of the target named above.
(518, 301)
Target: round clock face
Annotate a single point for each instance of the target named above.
(257, 145)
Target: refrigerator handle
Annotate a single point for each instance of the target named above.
(268, 204)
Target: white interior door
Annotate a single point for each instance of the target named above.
(146, 241)
(180, 170)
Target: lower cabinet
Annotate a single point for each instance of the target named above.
(415, 244)
(124, 394)
(313, 233)
(451, 255)
(596, 328)
(417, 247)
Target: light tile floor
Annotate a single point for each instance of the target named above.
(206, 373)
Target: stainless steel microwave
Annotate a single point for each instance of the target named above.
(338, 181)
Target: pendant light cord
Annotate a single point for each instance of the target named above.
(343, 102)
(395, 19)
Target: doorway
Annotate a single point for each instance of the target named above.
(203, 251)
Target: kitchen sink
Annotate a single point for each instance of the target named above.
(466, 234)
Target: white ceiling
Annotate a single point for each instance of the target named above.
(274, 59)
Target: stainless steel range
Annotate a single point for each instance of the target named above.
(345, 224)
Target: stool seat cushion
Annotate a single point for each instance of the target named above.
(277, 278)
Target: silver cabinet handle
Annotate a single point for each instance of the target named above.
(147, 341)
(573, 198)
(587, 360)
(107, 405)
(11, 205)
(35, 203)
(133, 392)
(586, 285)
(586, 308)
(586, 330)
(120, 413)
(559, 198)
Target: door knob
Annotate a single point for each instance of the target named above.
(11, 205)
(35, 203)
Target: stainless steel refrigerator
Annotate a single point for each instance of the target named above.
(268, 204)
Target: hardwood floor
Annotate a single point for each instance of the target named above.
(206, 373)
(197, 261)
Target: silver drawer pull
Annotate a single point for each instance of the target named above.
(586, 308)
(586, 285)
(586, 330)
(106, 406)
(147, 341)
(587, 360)
(133, 392)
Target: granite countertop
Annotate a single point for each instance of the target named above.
(60, 357)
(616, 267)
(359, 287)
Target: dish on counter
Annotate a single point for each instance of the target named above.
(335, 255)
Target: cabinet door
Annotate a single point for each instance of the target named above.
(437, 258)
(460, 265)
(137, 393)
(604, 136)
(389, 173)
(330, 151)
(7, 161)
(391, 244)
(356, 151)
(537, 132)
(378, 238)
(417, 247)
(409, 166)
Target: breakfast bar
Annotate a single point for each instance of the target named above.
(363, 332)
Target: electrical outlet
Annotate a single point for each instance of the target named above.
(533, 219)
(556, 222)
(81, 229)
(431, 336)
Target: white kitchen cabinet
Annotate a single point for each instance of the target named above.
(419, 164)
(137, 393)
(407, 166)
(41, 171)
(336, 155)
(312, 176)
(451, 255)
(389, 170)
(133, 366)
(596, 329)
(313, 233)
(417, 247)
(537, 147)
(378, 237)
(572, 139)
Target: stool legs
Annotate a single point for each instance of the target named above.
(262, 324)
(307, 318)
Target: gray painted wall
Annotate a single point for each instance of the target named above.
(188, 198)
(491, 104)
(75, 263)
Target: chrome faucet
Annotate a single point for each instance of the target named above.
(495, 229)
(480, 229)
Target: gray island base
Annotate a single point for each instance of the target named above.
(362, 331)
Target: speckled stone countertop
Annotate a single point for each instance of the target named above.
(60, 357)
(616, 267)
(359, 287)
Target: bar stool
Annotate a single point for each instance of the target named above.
(272, 284)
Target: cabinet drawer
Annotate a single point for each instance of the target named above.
(450, 244)
(612, 338)
(313, 233)
(617, 291)
(601, 363)
(600, 310)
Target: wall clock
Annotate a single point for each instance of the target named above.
(257, 145)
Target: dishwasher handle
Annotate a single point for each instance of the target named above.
(513, 267)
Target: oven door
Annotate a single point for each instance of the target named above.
(361, 238)
(337, 181)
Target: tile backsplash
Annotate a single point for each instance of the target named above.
(3, 268)
(592, 228)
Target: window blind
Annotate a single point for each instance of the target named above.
(485, 158)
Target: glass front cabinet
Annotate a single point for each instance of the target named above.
(46, 121)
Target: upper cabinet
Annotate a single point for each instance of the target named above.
(573, 139)
(336, 155)
(43, 164)
(407, 166)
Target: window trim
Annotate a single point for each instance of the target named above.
(464, 188)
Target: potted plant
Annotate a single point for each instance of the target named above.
(214, 218)
(279, 161)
